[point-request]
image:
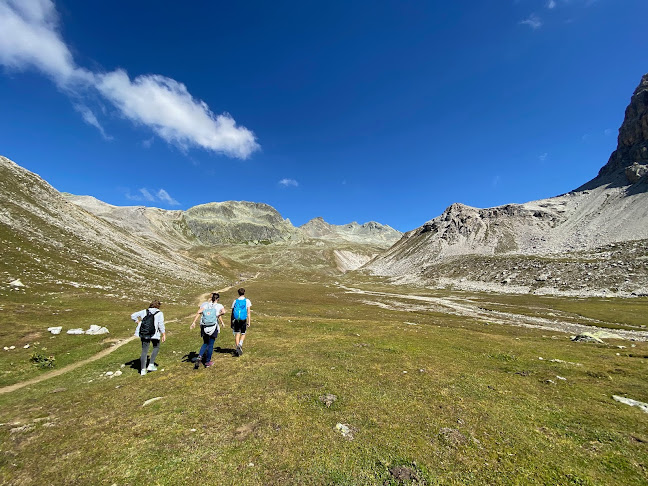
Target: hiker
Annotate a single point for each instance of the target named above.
(150, 329)
(210, 314)
(240, 320)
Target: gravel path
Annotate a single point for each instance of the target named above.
(467, 308)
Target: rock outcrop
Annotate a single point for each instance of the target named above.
(628, 164)
(610, 209)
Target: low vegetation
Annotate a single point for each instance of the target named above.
(423, 395)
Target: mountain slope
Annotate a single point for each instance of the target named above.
(610, 209)
(52, 244)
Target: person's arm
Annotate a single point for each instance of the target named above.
(249, 315)
(138, 316)
(193, 324)
(161, 327)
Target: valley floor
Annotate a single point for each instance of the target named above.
(343, 381)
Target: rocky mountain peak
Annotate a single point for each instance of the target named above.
(628, 164)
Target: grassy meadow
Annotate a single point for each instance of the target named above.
(428, 397)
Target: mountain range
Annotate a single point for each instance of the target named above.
(590, 241)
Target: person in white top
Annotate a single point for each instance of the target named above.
(155, 335)
(210, 313)
(240, 320)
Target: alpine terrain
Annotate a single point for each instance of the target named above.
(591, 241)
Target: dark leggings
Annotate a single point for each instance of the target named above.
(145, 348)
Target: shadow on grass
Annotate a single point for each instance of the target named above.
(192, 356)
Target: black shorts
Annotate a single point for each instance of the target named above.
(239, 326)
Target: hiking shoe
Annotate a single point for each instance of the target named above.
(143, 372)
(235, 352)
(208, 364)
(197, 362)
(151, 367)
(240, 350)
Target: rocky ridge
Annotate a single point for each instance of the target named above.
(573, 229)
(231, 222)
(376, 233)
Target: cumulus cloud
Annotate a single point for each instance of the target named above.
(543, 157)
(533, 21)
(551, 4)
(167, 107)
(31, 39)
(288, 183)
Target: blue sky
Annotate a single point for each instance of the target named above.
(353, 111)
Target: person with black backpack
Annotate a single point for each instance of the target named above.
(150, 329)
(210, 314)
(240, 320)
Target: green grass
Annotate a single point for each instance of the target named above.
(398, 387)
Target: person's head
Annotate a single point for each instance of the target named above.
(215, 296)
(156, 304)
(241, 291)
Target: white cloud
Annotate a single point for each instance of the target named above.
(551, 4)
(608, 132)
(167, 107)
(288, 183)
(159, 196)
(30, 39)
(164, 197)
(543, 157)
(90, 118)
(533, 21)
(147, 195)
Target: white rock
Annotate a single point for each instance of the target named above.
(633, 403)
(193, 430)
(561, 378)
(109, 373)
(94, 330)
(117, 373)
(345, 430)
(151, 400)
(16, 283)
(6, 348)
(12, 347)
(26, 346)
(75, 331)
(55, 330)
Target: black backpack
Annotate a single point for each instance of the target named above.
(147, 327)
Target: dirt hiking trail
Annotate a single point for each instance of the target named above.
(99, 355)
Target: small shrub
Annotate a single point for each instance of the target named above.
(43, 361)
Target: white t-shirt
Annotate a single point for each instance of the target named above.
(220, 309)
